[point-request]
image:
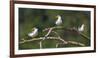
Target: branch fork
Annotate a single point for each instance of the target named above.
(47, 37)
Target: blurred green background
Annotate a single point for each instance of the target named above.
(45, 18)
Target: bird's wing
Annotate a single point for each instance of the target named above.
(30, 34)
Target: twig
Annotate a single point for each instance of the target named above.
(53, 38)
(60, 37)
(83, 35)
(58, 27)
(38, 39)
(40, 43)
(71, 42)
(41, 38)
(22, 39)
(49, 32)
(76, 43)
(60, 43)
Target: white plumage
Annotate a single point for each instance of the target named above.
(59, 21)
(34, 33)
(80, 29)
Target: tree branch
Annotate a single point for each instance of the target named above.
(40, 43)
(38, 39)
(54, 38)
(84, 36)
(71, 42)
(76, 43)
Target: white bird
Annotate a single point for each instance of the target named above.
(34, 33)
(80, 29)
(59, 21)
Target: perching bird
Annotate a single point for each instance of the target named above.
(80, 29)
(34, 33)
(59, 21)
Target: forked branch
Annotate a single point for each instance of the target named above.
(47, 37)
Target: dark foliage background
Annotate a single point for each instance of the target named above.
(45, 18)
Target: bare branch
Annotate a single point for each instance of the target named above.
(50, 30)
(57, 27)
(71, 29)
(40, 43)
(84, 36)
(60, 37)
(54, 38)
(38, 39)
(59, 44)
(76, 43)
(71, 42)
